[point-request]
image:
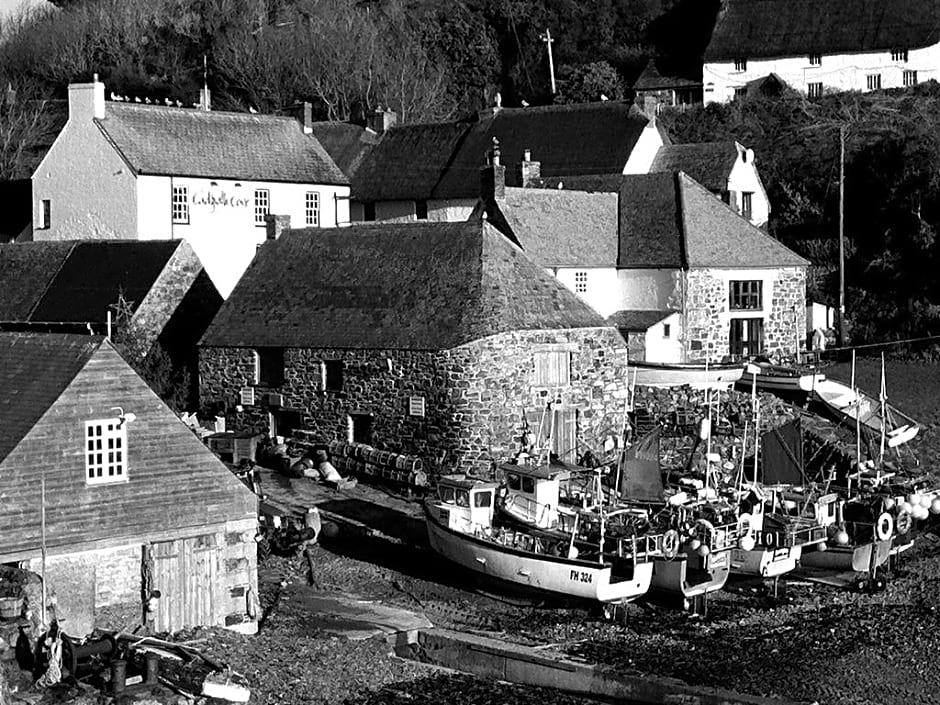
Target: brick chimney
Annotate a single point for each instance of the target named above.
(492, 175)
(381, 120)
(276, 225)
(86, 100)
(527, 171)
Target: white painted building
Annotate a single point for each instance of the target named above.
(129, 171)
(822, 46)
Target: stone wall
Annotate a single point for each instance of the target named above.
(707, 314)
(474, 395)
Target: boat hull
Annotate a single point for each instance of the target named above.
(691, 576)
(651, 374)
(563, 577)
(766, 563)
(844, 404)
(841, 558)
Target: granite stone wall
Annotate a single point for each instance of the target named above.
(474, 395)
(707, 319)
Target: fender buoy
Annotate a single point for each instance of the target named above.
(884, 527)
(670, 544)
(903, 522)
(704, 530)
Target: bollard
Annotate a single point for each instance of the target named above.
(118, 675)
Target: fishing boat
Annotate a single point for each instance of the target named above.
(583, 559)
(698, 375)
(794, 383)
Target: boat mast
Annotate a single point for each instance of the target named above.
(883, 398)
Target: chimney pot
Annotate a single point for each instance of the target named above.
(86, 100)
(381, 120)
(528, 172)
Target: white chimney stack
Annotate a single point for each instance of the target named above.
(86, 100)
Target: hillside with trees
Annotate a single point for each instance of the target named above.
(432, 61)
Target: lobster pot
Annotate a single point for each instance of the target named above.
(342, 463)
(407, 463)
(337, 448)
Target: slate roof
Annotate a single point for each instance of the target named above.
(670, 221)
(756, 29)
(419, 286)
(167, 141)
(651, 79)
(562, 228)
(52, 282)
(347, 144)
(638, 321)
(609, 183)
(443, 160)
(709, 163)
(34, 371)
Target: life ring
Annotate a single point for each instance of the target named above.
(744, 524)
(903, 522)
(704, 530)
(884, 526)
(670, 544)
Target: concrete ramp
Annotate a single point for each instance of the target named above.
(351, 617)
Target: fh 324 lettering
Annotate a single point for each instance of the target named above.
(580, 576)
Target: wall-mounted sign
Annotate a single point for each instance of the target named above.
(416, 406)
(220, 199)
(247, 396)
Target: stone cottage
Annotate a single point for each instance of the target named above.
(435, 339)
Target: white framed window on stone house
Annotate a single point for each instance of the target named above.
(909, 78)
(312, 209)
(262, 205)
(180, 204)
(580, 282)
(873, 81)
(269, 366)
(814, 90)
(745, 295)
(552, 368)
(105, 451)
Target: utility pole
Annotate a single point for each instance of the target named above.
(841, 235)
(546, 37)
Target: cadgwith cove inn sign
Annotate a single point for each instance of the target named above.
(214, 199)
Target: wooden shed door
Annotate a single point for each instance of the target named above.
(565, 443)
(185, 571)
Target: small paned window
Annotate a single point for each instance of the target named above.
(552, 368)
(910, 78)
(745, 295)
(312, 209)
(899, 55)
(360, 429)
(747, 208)
(873, 81)
(814, 90)
(740, 93)
(580, 282)
(666, 330)
(105, 451)
(331, 375)
(815, 59)
(180, 204)
(262, 205)
(45, 214)
(740, 64)
(269, 366)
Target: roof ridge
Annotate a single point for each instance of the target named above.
(120, 105)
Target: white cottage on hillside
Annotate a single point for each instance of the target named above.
(821, 46)
(130, 171)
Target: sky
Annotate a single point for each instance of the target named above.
(7, 6)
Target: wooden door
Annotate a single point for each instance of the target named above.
(185, 571)
(565, 441)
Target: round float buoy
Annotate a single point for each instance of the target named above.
(747, 543)
(842, 537)
(903, 522)
(935, 506)
(884, 526)
(702, 550)
(694, 544)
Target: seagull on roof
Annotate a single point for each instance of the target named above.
(115, 96)
(147, 101)
(525, 104)
(136, 98)
(604, 97)
(252, 110)
(168, 102)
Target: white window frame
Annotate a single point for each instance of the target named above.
(740, 65)
(580, 282)
(312, 209)
(45, 214)
(262, 205)
(815, 59)
(179, 205)
(899, 55)
(873, 81)
(814, 89)
(909, 78)
(105, 451)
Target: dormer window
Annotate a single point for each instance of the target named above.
(740, 64)
(815, 59)
(899, 55)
